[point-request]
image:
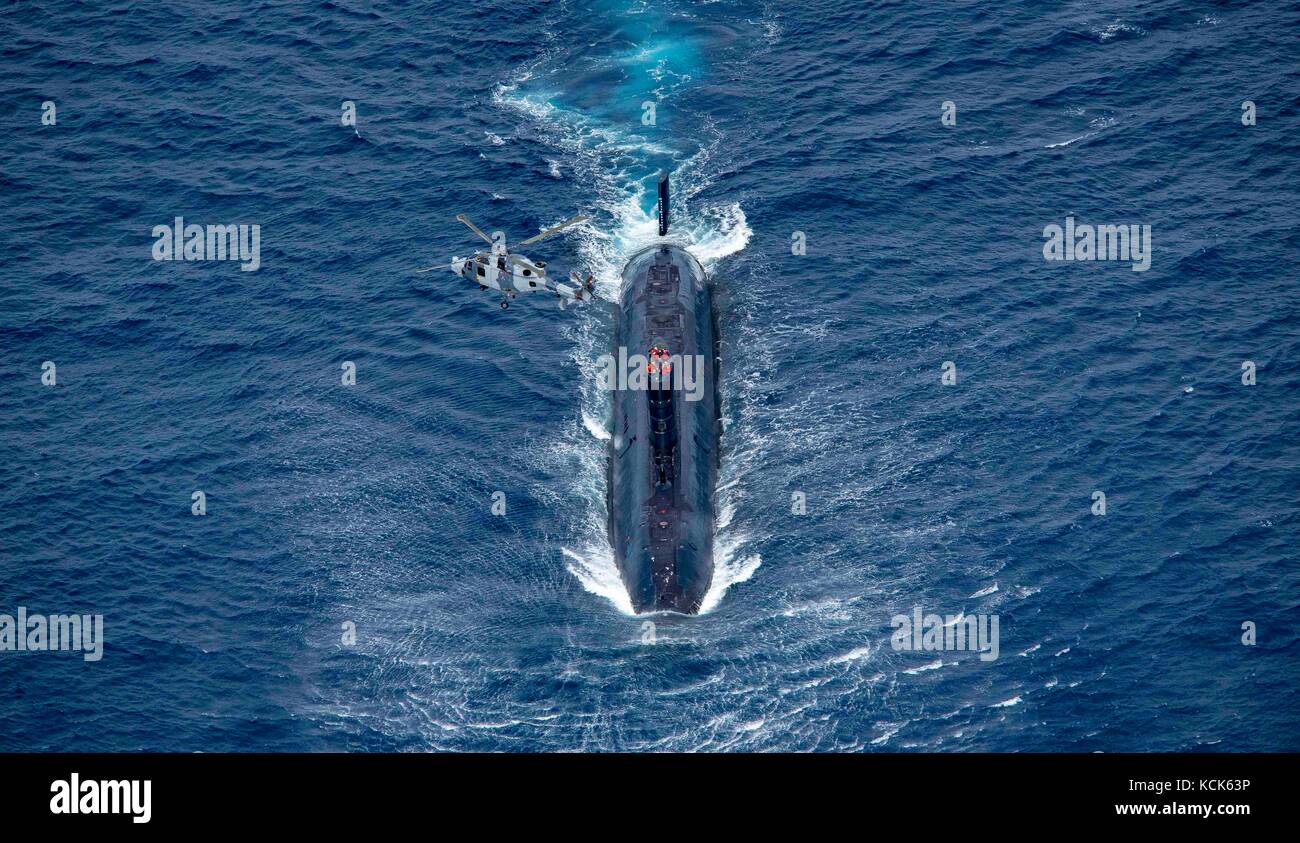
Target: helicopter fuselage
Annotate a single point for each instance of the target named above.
(505, 273)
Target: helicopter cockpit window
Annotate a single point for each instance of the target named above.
(480, 270)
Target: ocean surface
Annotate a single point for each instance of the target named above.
(333, 506)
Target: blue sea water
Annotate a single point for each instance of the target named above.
(370, 504)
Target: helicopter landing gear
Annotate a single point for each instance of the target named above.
(505, 303)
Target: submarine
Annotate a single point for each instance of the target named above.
(665, 440)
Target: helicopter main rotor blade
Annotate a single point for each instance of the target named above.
(553, 229)
(440, 266)
(474, 228)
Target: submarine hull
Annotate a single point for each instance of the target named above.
(664, 448)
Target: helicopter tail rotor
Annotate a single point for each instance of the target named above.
(571, 290)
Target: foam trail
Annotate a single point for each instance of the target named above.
(729, 568)
(595, 427)
(595, 569)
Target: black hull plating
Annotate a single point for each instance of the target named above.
(663, 455)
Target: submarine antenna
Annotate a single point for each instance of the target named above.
(663, 203)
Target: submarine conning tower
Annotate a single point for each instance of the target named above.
(663, 455)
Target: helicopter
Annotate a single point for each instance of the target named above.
(510, 273)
